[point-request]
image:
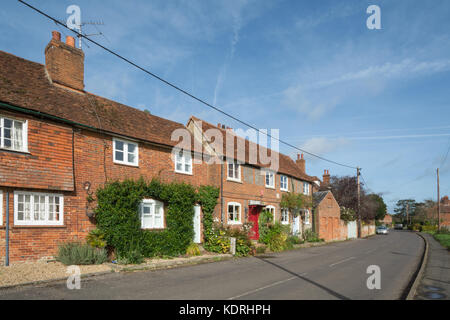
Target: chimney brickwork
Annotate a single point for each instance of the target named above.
(64, 62)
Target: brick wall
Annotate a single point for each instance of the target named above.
(330, 227)
(47, 165)
(93, 162)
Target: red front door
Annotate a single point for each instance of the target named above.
(253, 216)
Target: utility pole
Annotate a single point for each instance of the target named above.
(407, 213)
(438, 202)
(358, 169)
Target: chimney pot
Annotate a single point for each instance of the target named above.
(70, 41)
(219, 125)
(56, 36)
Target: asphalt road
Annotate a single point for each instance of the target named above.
(335, 271)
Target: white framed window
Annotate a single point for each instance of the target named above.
(270, 179)
(306, 188)
(1, 208)
(38, 209)
(271, 209)
(13, 134)
(183, 162)
(234, 213)
(151, 213)
(234, 171)
(307, 216)
(284, 183)
(284, 216)
(125, 152)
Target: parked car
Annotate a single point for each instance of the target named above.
(382, 230)
(398, 226)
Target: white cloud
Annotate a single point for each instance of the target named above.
(322, 146)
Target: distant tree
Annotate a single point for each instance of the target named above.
(402, 206)
(379, 205)
(345, 191)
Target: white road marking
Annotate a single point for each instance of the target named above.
(336, 263)
(265, 287)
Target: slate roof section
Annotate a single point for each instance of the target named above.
(319, 196)
(26, 84)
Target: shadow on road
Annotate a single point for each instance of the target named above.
(333, 293)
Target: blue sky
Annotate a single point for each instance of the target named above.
(378, 99)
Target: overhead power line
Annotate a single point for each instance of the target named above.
(182, 90)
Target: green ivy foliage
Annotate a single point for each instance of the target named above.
(117, 216)
(207, 197)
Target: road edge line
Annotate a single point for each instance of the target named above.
(419, 273)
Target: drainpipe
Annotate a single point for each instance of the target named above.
(7, 231)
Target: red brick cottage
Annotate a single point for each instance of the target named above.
(59, 142)
(248, 186)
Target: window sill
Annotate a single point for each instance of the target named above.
(284, 223)
(234, 223)
(234, 180)
(270, 187)
(284, 190)
(185, 173)
(36, 226)
(153, 229)
(24, 152)
(126, 164)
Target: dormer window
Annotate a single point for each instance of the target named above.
(13, 134)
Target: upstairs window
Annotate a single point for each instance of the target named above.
(283, 183)
(284, 216)
(234, 213)
(151, 214)
(234, 171)
(13, 134)
(183, 162)
(125, 152)
(305, 188)
(270, 181)
(39, 209)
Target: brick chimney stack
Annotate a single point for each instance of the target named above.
(64, 62)
(301, 163)
(326, 179)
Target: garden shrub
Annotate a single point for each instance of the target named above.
(96, 238)
(311, 236)
(243, 242)
(77, 253)
(193, 250)
(265, 224)
(117, 216)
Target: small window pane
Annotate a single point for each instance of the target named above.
(119, 156)
(119, 145)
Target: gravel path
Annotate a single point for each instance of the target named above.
(38, 271)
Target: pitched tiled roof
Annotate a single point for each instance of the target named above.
(286, 164)
(319, 196)
(26, 84)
